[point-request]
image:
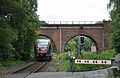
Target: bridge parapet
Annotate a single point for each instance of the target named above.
(73, 22)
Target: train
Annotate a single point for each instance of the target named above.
(43, 49)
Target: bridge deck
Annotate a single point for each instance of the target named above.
(73, 22)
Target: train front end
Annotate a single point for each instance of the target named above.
(43, 49)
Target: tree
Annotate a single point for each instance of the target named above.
(27, 28)
(114, 7)
(7, 36)
(18, 25)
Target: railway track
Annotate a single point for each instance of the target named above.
(31, 68)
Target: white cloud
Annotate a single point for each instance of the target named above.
(73, 10)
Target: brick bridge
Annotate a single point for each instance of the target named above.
(62, 32)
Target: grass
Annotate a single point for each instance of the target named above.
(9, 63)
(64, 64)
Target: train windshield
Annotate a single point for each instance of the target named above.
(43, 45)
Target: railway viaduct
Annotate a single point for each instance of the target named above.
(62, 32)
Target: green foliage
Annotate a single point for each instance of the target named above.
(9, 63)
(64, 65)
(114, 6)
(7, 36)
(88, 44)
(73, 44)
(107, 55)
(18, 25)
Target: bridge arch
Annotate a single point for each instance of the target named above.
(92, 39)
(45, 36)
(53, 43)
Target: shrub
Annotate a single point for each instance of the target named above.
(9, 63)
(64, 65)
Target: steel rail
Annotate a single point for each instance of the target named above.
(38, 68)
(23, 68)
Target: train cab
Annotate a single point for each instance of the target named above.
(43, 49)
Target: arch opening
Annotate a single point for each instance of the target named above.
(44, 48)
(82, 42)
(41, 36)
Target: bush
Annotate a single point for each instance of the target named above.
(64, 65)
(9, 63)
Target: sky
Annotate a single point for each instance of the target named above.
(73, 10)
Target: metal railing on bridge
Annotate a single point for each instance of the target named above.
(73, 22)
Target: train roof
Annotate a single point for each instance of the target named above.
(43, 40)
